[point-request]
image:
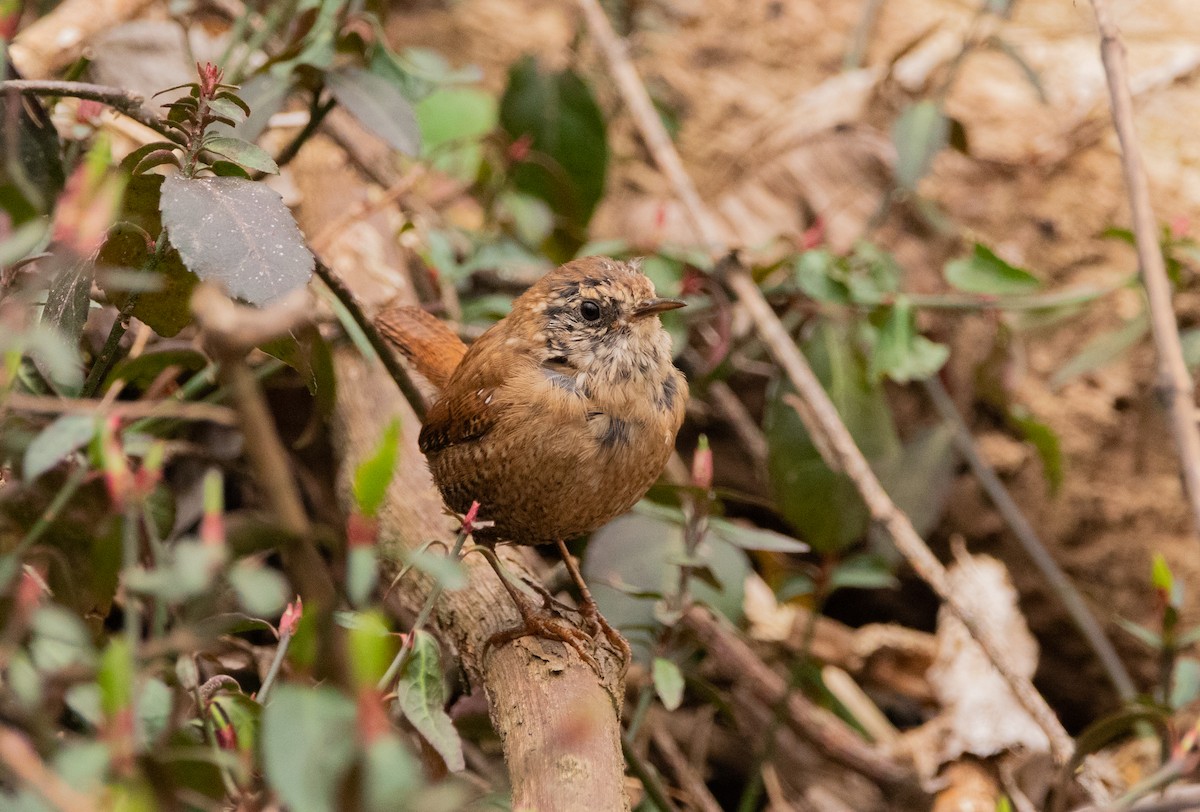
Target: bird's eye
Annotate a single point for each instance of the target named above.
(590, 311)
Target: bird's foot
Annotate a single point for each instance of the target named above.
(595, 623)
(537, 622)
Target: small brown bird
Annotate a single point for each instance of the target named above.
(557, 419)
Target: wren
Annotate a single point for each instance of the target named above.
(557, 419)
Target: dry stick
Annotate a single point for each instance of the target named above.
(134, 409)
(1062, 586)
(833, 737)
(1175, 383)
(229, 330)
(57, 39)
(821, 417)
(689, 780)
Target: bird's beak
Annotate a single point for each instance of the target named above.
(653, 306)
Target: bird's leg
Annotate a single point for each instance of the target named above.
(534, 621)
(589, 610)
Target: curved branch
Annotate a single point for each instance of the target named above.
(123, 101)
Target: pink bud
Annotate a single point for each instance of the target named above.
(88, 112)
(814, 236)
(702, 465)
(118, 479)
(30, 591)
(468, 522)
(519, 150)
(361, 531)
(291, 618)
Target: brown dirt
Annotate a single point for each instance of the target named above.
(1041, 181)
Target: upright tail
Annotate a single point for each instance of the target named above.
(430, 346)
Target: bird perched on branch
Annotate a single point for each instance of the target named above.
(555, 420)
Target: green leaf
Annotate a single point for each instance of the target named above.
(166, 308)
(919, 478)
(379, 105)
(249, 155)
(668, 683)
(238, 233)
(901, 353)
(84, 700)
(242, 714)
(1185, 682)
(115, 677)
(559, 115)
(1141, 633)
(818, 276)
(145, 368)
(868, 571)
(449, 574)
(420, 697)
(53, 356)
(1161, 576)
(1045, 441)
(374, 474)
(754, 538)
(823, 506)
(1191, 347)
(453, 121)
(919, 134)
(362, 574)
(261, 591)
(59, 640)
(985, 273)
(372, 647)
(56, 442)
(308, 744)
(1103, 349)
(154, 700)
(626, 565)
(392, 775)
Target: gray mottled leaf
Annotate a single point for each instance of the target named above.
(67, 300)
(379, 105)
(52, 445)
(238, 233)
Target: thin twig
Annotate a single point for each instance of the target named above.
(689, 780)
(123, 101)
(216, 316)
(108, 353)
(1058, 581)
(381, 346)
(316, 115)
(651, 783)
(132, 409)
(1175, 382)
(825, 418)
(828, 733)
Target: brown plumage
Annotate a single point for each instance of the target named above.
(561, 415)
